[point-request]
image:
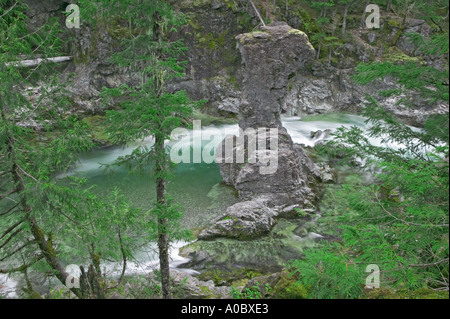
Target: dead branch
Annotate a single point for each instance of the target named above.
(34, 62)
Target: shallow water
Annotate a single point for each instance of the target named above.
(7, 286)
(197, 186)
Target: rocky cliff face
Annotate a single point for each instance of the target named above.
(214, 70)
(328, 87)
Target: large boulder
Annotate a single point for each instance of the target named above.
(243, 220)
(270, 57)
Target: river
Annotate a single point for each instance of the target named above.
(196, 187)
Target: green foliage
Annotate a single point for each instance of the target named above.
(140, 287)
(437, 44)
(301, 213)
(329, 274)
(249, 293)
(288, 287)
(430, 82)
(145, 108)
(230, 277)
(411, 73)
(66, 218)
(399, 219)
(422, 293)
(321, 5)
(407, 205)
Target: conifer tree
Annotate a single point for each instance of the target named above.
(46, 220)
(27, 168)
(147, 109)
(398, 221)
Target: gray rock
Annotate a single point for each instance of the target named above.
(244, 220)
(214, 71)
(261, 282)
(184, 286)
(217, 4)
(412, 25)
(269, 58)
(193, 288)
(315, 97)
(292, 183)
(328, 174)
(372, 37)
(228, 105)
(266, 254)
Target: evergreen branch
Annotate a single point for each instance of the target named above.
(23, 171)
(10, 237)
(69, 218)
(437, 24)
(257, 13)
(10, 229)
(4, 173)
(23, 267)
(430, 264)
(402, 220)
(9, 193)
(17, 250)
(10, 210)
(124, 260)
(29, 290)
(7, 11)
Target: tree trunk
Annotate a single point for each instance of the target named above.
(29, 290)
(95, 258)
(257, 13)
(389, 5)
(344, 21)
(163, 238)
(160, 169)
(90, 284)
(318, 49)
(320, 40)
(400, 30)
(363, 18)
(274, 7)
(44, 245)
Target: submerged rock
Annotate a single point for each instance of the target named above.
(184, 286)
(267, 253)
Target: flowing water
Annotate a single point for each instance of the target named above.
(197, 187)
(7, 286)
